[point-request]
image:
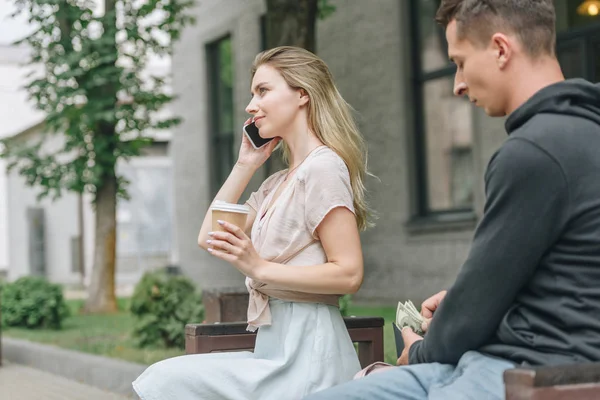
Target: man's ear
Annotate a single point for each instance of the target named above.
(503, 49)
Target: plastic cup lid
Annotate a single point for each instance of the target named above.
(229, 207)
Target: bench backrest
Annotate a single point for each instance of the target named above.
(367, 332)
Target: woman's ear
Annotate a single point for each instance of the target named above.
(304, 99)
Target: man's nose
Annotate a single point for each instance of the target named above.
(460, 88)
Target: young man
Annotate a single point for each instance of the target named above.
(528, 292)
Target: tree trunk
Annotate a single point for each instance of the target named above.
(290, 23)
(101, 294)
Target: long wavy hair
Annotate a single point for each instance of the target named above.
(329, 115)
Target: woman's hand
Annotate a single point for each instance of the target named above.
(235, 247)
(251, 157)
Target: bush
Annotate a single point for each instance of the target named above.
(163, 304)
(345, 302)
(33, 302)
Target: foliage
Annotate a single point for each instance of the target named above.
(345, 303)
(325, 9)
(89, 77)
(163, 304)
(33, 302)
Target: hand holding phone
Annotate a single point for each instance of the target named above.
(251, 132)
(254, 150)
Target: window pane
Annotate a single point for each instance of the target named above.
(225, 161)
(154, 210)
(434, 52)
(220, 83)
(568, 17)
(570, 57)
(144, 220)
(225, 87)
(448, 147)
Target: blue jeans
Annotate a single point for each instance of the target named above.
(475, 377)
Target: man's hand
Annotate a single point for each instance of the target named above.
(409, 338)
(429, 306)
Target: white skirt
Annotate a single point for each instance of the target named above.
(306, 349)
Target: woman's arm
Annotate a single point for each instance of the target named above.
(343, 272)
(249, 161)
(231, 191)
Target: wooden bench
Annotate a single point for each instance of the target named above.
(367, 332)
(569, 382)
(565, 382)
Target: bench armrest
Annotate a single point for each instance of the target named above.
(555, 375)
(572, 382)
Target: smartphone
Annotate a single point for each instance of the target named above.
(251, 132)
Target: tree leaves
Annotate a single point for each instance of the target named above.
(91, 89)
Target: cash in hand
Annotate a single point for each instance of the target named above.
(407, 315)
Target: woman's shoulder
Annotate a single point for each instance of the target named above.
(271, 181)
(325, 160)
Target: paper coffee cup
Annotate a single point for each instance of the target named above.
(235, 214)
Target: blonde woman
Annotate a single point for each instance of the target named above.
(300, 249)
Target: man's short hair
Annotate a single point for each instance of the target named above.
(533, 21)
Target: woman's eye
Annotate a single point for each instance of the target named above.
(259, 91)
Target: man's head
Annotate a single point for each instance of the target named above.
(491, 41)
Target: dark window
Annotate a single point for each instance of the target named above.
(444, 131)
(263, 32)
(578, 43)
(220, 85)
(443, 125)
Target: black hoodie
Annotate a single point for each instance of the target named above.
(529, 291)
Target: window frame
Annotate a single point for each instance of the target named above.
(584, 38)
(221, 142)
(419, 78)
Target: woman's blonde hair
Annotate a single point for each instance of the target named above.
(329, 115)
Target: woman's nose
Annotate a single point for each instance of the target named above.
(252, 108)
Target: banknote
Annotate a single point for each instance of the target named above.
(408, 315)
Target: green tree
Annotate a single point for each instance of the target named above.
(96, 92)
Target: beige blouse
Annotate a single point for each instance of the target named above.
(286, 232)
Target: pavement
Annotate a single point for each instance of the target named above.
(103, 373)
(19, 382)
(23, 382)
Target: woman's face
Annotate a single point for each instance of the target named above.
(274, 105)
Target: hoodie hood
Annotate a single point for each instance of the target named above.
(575, 97)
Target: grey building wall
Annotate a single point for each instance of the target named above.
(366, 45)
(191, 139)
(60, 225)
(61, 222)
